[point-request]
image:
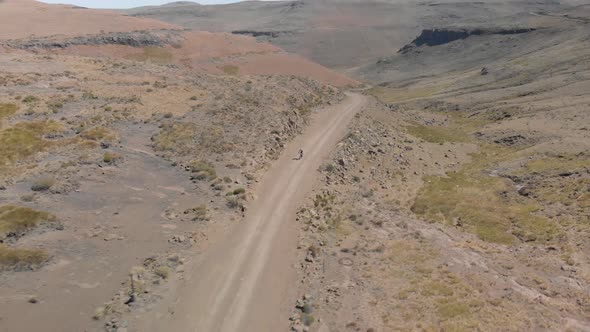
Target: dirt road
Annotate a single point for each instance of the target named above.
(242, 283)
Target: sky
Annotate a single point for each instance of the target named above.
(127, 3)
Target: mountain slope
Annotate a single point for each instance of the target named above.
(342, 34)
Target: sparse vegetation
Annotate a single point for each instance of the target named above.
(55, 106)
(177, 136)
(162, 272)
(7, 110)
(200, 213)
(21, 259)
(24, 140)
(472, 198)
(153, 54)
(89, 95)
(233, 202)
(203, 170)
(19, 219)
(230, 69)
(98, 133)
(30, 99)
(42, 184)
(239, 191)
(111, 157)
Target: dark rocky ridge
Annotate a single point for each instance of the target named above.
(256, 34)
(134, 39)
(434, 37)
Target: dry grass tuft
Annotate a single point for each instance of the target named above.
(98, 134)
(21, 219)
(230, 69)
(42, 184)
(7, 110)
(21, 259)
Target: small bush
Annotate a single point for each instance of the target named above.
(89, 95)
(204, 170)
(111, 157)
(194, 98)
(42, 184)
(30, 99)
(162, 272)
(239, 191)
(98, 134)
(168, 115)
(227, 179)
(21, 259)
(307, 319)
(233, 203)
(329, 168)
(201, 213)
(21, 219)
(55, 106)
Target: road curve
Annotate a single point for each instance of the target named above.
(243, 280)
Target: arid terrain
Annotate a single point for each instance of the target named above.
(151, 179)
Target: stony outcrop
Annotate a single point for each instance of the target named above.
(434, 37)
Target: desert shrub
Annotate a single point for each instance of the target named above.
(42, 184)
(227, 179)
(111, 157)
(30, 99)
(329, 168)
(233, 202)
(98, 134)
(204, 170)
(168, 115)
(162, 272)
(21, 219)
(193, 98)
(20, 142)
(21, 259)
(307, 319)
(201, 213)
(239, 191)
(55, 106)
(89, 95)
(178, 137)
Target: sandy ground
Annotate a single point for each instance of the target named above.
(242, 282)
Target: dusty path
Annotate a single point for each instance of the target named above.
(242, 282)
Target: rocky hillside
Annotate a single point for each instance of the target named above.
(109, 34)
(344, 34)
(461, 198)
